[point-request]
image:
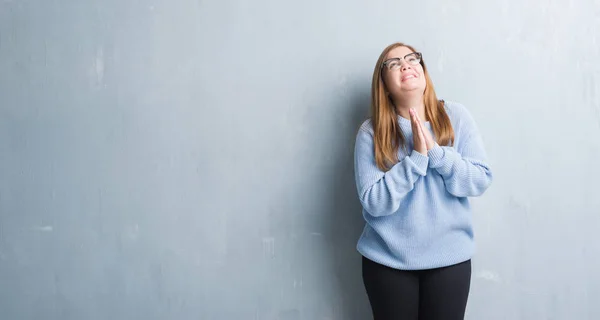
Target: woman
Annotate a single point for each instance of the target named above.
(417, 160)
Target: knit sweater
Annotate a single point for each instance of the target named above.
(417, 213)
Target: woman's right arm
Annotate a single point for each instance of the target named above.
(380, 192)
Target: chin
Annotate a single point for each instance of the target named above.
(414, 89)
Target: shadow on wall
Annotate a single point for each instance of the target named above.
(344, 222)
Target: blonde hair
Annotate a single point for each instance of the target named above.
(387, 134)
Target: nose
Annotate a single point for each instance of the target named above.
(404, 65)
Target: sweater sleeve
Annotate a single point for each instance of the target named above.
(380, 192)
(464, 169)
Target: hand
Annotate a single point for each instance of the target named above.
(419, 142)
(426, 133)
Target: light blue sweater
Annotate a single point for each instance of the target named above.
(418, 214)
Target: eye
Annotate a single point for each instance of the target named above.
(413, 58)
(393, 64)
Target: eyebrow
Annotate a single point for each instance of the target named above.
(399, 57)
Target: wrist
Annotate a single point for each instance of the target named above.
(435, 154)
(431, 145)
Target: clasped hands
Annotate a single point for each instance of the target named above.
(422, 139)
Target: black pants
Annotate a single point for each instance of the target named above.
(431, 294)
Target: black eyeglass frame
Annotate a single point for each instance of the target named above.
(418, 55)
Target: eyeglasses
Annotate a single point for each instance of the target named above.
(394, 63)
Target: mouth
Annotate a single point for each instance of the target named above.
(408, 77)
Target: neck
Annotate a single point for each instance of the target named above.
(405, 104)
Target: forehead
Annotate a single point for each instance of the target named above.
(398, 52)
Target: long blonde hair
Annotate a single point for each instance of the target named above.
(388, 137)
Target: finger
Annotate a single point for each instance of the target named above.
(413, 121)
(415, 129)
(427, 133)
(424, 130)
(418, 119)
(422, 144)
(421, 132)
(417, 115)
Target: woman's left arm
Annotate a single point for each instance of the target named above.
(465, 173)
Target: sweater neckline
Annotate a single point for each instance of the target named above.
(405, 123)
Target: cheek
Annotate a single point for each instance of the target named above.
(422, 76)
(391, 80)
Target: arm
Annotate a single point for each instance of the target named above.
(380, 192)
(465, 173)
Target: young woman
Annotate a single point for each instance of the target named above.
(417, 160)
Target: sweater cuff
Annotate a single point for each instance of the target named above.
(436, 154)
(420, 161)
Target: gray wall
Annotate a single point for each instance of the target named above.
(193, 159)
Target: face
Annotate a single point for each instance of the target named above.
(404, 78)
